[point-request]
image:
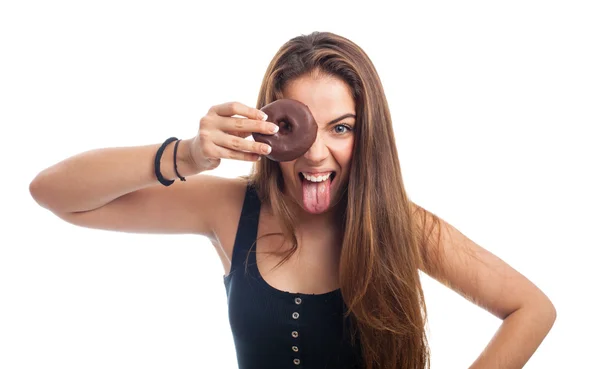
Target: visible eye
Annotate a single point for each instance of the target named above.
(347, 127)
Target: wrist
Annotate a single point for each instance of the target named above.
(186, 165)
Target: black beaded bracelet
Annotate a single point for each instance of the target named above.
(159, 176)
(175, 161)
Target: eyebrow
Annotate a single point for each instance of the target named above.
(349, 115)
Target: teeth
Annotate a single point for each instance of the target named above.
(320, 178)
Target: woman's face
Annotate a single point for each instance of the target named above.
(331, 103)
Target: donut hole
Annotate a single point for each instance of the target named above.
(285, 126)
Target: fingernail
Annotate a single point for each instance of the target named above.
(274, 128)
(263, 116)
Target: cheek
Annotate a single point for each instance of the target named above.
(343, 151)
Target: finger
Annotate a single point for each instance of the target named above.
(236, 155)
(236, 143)
(236, 108)
(247, 125)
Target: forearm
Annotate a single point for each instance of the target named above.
(94, 178)
(518, 337)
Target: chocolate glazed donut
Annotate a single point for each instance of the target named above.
(297, 129)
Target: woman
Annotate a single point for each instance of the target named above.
(317, 274)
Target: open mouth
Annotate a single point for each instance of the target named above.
(331, 177)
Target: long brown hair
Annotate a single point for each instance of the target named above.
(383, 230)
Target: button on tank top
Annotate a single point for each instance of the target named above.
(274, 329)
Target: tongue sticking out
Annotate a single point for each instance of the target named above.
(316, 196)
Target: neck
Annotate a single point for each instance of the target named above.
(316, 229)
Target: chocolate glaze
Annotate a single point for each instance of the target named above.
(297, 129)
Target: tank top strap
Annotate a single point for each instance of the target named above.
(247, 231)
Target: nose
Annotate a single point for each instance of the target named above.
(318, 151)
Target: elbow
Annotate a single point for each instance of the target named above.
(38, 189)
(548, 314)
(551, 312)
(544, 310)
(547, 309)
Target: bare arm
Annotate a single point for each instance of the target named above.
(489, 282)
(116, 188)
(94, 178)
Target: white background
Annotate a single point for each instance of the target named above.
(495, 108)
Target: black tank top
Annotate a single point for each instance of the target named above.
(277, 329)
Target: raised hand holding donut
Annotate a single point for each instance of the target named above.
(221, 135)
(297, 129)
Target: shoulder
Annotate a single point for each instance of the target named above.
(232, 192)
